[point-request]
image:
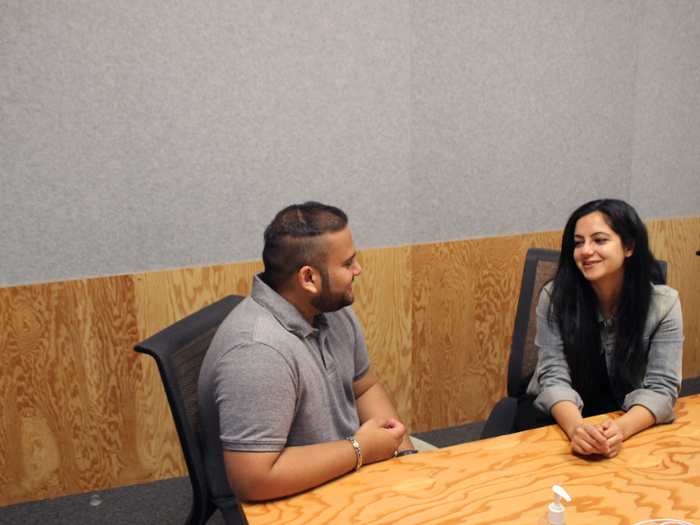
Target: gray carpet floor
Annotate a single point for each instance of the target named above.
(156, 503)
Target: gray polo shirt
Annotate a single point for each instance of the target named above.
(270, 380)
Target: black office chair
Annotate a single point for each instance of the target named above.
(540, 267)
(179, 351)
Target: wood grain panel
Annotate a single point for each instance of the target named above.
(443, 335)
(464, 299)
(383, 305)
(164, 297)
(676, 241)
(67, 388)
(24, 339)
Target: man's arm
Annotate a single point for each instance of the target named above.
(267, 475)
(372, 401)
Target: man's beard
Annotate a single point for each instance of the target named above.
(328, 301)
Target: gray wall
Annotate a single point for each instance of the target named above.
(142, 135)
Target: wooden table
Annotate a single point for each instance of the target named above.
(509, 480)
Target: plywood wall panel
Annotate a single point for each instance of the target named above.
(676, 241)
(69, 388)
(443, 332)
(165, 297)
(82, 411)
(383, 305)
(24, 339)
(464, 298)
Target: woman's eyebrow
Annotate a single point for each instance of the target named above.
(592, 234)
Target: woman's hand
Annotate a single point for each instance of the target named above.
(586, 438)
(605, 438)
(613, 433)
(589, 439)
(617, 430)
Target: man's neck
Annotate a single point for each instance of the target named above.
(307, 311)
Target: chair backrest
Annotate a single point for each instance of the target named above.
(179, 351)
(540, 268)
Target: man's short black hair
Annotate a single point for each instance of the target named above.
(292, 240)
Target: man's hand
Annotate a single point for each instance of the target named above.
(372, 401)
(379, 438)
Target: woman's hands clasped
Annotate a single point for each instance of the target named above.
(604, 439)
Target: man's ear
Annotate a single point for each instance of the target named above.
(309, 279)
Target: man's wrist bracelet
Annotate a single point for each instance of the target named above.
(356, 446)
(406, 453)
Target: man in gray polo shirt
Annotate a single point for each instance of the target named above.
(286, 395)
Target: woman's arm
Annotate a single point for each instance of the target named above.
(662, 380)
(552, 379)
(617, 430)
(586, 438)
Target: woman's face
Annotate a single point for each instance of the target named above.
(598, 251)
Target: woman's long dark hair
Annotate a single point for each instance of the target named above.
(575, 304)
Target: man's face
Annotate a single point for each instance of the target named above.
(338, 275)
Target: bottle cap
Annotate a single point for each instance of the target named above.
(556, 509)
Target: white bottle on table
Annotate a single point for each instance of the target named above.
(556, 509)
(555, 516)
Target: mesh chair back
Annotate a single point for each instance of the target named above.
(540, 268)
(187, 362)
(179, 351)
(546, 270)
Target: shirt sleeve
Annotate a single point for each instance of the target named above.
(551, 382)
(255, 397)
(662, 379)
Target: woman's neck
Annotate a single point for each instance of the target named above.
(608, 297)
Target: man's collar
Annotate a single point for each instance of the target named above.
(284, 311)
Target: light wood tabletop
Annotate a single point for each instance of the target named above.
(509, 479)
